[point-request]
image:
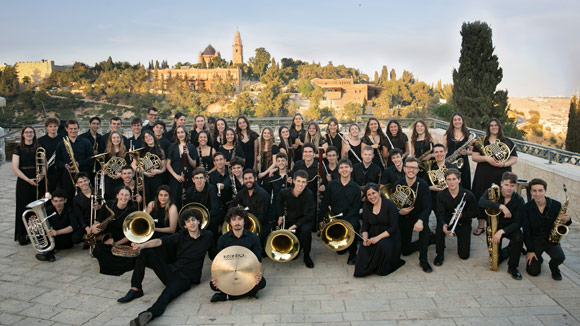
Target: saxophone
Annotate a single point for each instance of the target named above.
(492, 222)
(92, 238)
(455, 157)
(560, 229)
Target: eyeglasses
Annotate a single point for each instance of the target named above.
(412, 167)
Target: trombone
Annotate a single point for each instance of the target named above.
(41, 171)
(282, 245)
(338, 234)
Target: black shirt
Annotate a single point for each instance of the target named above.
(345, 199)
(207, 197)
(190, 252)
(82, 210)
(391, 175)
(362, 175)
(538, 226)
(515, 207)
(62, 220)
(312, 171)
(446, 204)
(49, 144)
(82, 154)
(98, 139)
(423, 201)
(115, 227)
(298, 210)
(247, 240)
(136, 143)
(258, 203)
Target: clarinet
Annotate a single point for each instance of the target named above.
(184, 175)
(233, 181)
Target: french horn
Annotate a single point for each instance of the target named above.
(403, 196)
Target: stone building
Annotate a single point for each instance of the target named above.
(339, 92)
(36, 71)
(199, 79)
(237, 55)
(208, 54)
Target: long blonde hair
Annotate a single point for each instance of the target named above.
(110, 146)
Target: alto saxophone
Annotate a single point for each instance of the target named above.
(560, 229)
(493, 248)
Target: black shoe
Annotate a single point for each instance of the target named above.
(438, 260)
(556, 275)
(51, 257)
(308, 262)
(143, 319)
(219, 297)
(42, 257)
(23, 240)
(515, 273)
(426, 267)
(131, 295)
(86, 246)
(351, 260)
(255, 295)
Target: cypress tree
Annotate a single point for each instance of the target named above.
(573, 134)
(479, 73)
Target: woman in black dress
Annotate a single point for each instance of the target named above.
(122, 206)
(381, 252)
(205, 152)
(164, 212)
(285, 145)
(153, 178)
(332, 137)
(422, 142)
(297, 134)
(265, 146)
(231, 147)
(489, 170)
(313, 135)
(353, 141)
(24, 166)
(199, 125)
(115, 148)
(248, 139)
(219, 133)
(175, 162)
(455, 136)
(375, 138)
(397, 138)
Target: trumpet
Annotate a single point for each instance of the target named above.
(457, 214)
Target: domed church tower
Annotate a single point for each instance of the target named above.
(237, 56)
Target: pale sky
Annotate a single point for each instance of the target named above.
(536, 41)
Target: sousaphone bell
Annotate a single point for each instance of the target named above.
(337, 234)
(201, 209)
(282, 245)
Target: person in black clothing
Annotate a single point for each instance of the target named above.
(82, 208)
(276, 179)
(446, 204)
(256, 199)
(155, 177)
(438, 163)
(181, 160)
(375, 138)
(366, 171)
(538, 217)
(159, 132)
(82, 154)
(380, 252)
(343, 196)
(128, 177)
(332, 157)
(49, 142)
(332, 136)
(454, 138)
(136, 141)
(191, 245)
(205, 193)
(237, 217)
(416, 217)
(178, 120)
(237, 165)
(394, 172)
(152, 116)
(310, 165)
(93, 135)
(297, 135)
(397, 138)
(61, 222)
(509, 221)
(115, 125)
(220, 178)
(297, 207)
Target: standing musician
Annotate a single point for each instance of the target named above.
(489, 170)
(205, 193)
(416, 217)
(331, 170)
(394, 172)
(375, 138)
(49, 142)
(110, 264)
(310, 165)
(155, 177)
(265, 147)
(435, 165)
(455, 137)
(231, 147)
(115, 149)
(82, 154)
(447, 203)
(237, 217)
(397, 138)
(219, 133)
(181, 159)
(159, 133)
(285, 146)
(422, 145)
(204, 151)
(366, 171)
(191, 245)
(82, 208)
(380, 252)
(220, 178)
(297, 206)
(509, 221)
(351, 148)
(93, 136)
(297, 135)
(274, 180)
(248, 140)
(115, 125)
(24, 166)
(152, 116)
(343, 196)
(256, 199)
(136, 141)
(178, 120)
(61, 223)
(199, 125)
(313, 135)
(332, 136)
(237, 166)
(538, 221)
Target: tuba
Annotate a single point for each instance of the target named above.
(37, 226)
(492, 222)
(404, 196)
(138, 227)
(337, 234)
(41, 171)
(282, 245)
(560, 229)
(254, 226)
(201, 209)
(114, 166)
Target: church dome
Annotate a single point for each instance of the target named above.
(209, 50)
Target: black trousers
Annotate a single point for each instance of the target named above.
(304, 235)
(175, 284)
(463, 233)
(356, 226)
(514, 249)
(256, 288)
(555, 252)
(408, 247)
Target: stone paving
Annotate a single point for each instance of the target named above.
(70, 291)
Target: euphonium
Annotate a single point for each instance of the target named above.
(138, 227)
(41, 171)
(37, 226)
(337, 234)
(493, 195)
(282, 245)
(254, 226)
(560, 229)
(201, 209)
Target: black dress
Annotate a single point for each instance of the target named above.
(25, 192)
(335, 141)
(229, 153)
(384, 257)
(399, 142)
(205, 162)
(167, 251)
(452, 146)
(174, 154)
(248, 148)
(377, 151)
(152, 183)
(357, 149)
(111, 184)
(295, 134)
(421, 147)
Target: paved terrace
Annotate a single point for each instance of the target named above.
(71, 291)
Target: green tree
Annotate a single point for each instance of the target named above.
(259, 63)
(9, 84)
(377, 80)
(573, 134)
(393, 74)
(222, 89)
(351, 110)
(305, 87)
(384, 74)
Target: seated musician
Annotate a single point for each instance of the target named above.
(297, 205)
(164, 212)
(128, 177)
(256, 199)
(538, 218)
(416, 217)
(366, 171)
(61, 223)
(237, 217)
(119, 208)
(446, 204)
(82, 208)
(343, 196)
(395, 171)
(220, 178)
(192, 244)
(437, 164)
(511, 205)
(380, 252)
(205, 193)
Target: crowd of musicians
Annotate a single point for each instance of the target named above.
(379, 185)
